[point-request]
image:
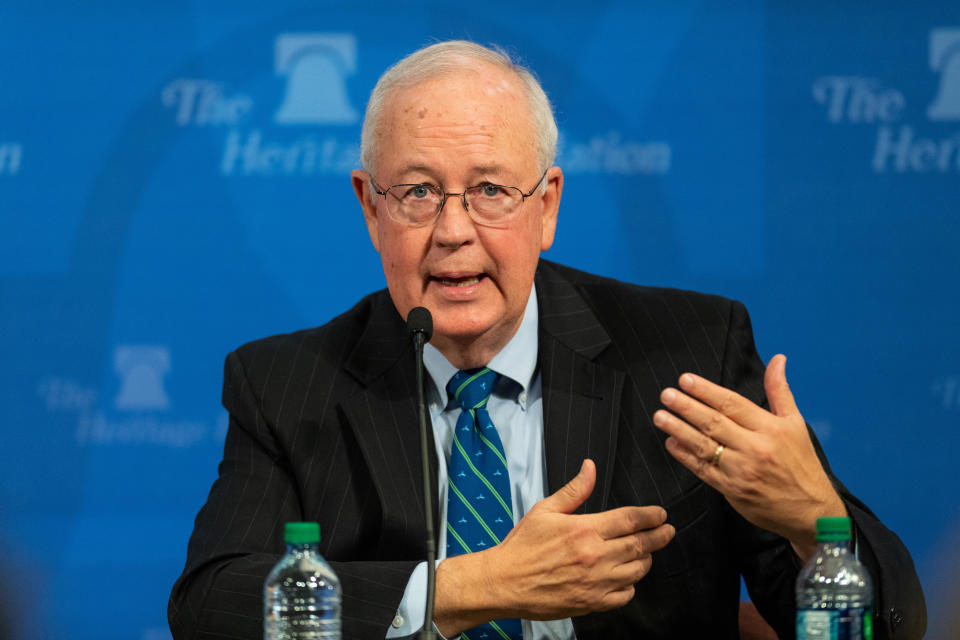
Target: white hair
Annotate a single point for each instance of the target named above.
(446, 58)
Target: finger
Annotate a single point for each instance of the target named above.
(626, 521)
(618, 598)
(640, 544)
(731, 404)
(573, 494)
(778, 391)
(629, 573)
(709, 421)
(656, 539)
(703, 468)
(690, 437)
(646, 542)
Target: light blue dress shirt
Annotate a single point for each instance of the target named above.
(516, 407)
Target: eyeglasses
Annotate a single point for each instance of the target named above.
(420, 204)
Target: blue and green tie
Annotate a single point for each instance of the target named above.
(479, 507)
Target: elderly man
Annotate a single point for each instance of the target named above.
(571, 504)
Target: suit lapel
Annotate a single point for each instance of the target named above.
(581, 398)
(383, 416)
(581, 401)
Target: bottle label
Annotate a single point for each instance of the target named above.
(834, 624)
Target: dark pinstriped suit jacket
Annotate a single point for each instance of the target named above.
(324, 427)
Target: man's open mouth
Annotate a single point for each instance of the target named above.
(466, 281)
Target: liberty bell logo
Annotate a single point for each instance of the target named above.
(141, 370)
(945, 59)
(316, 66)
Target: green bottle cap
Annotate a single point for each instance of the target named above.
(301, 533)
(833, 529)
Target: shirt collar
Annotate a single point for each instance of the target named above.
(517, 360)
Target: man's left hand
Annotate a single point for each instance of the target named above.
(767, 467)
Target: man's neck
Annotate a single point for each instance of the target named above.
(473, 353)
(480, 351)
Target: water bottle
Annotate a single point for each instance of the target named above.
(834, 591)
(301, 596)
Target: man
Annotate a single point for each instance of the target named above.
(630, 520)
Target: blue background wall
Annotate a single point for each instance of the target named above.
(174, 182)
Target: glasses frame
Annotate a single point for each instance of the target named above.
(445, 194)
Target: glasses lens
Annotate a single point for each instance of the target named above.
(492, 202)
(413, 203)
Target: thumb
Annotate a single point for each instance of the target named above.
(573, 494)
(778, 391)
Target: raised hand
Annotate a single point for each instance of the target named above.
(762, 461)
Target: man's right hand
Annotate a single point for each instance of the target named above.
(553, 564)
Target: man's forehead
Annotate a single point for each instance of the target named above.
(416, 170)
(472, 86)
(481, 114)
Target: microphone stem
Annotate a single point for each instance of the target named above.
(428, 491)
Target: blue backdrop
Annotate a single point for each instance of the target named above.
(174, 182)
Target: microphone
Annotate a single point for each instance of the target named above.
(419, 321)
(420, 326)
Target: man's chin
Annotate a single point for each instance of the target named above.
(478, 338)
(464, 335)
(460, 331)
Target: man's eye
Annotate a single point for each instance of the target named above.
(491, 190)
(419, 191)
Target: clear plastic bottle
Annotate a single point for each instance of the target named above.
(301, 596)
(834, 591)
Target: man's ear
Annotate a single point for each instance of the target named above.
(367, 198)
(550, 206)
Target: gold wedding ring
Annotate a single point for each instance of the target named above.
(716, 455)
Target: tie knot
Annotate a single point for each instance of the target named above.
(472, 388)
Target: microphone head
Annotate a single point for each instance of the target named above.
(419, 320)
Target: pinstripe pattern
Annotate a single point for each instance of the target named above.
(323, 427)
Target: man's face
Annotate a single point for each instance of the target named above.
(457, 132)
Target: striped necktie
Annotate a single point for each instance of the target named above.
(479, 506)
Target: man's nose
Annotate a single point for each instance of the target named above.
(454, 225)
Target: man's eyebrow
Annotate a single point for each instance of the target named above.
(418, 168)
(489, 169)
(476, 172)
